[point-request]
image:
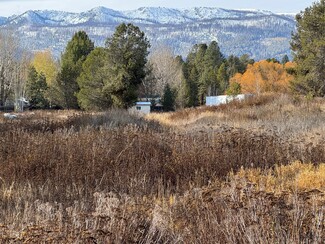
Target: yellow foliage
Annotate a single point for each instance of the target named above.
(264, 76)
(44, 62)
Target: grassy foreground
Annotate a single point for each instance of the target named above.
(247, 172)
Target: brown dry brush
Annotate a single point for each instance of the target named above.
(103, 178)
(232, 212)
(249, 102)
(101, 157)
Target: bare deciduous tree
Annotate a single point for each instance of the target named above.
(166, 69)
(13, 67)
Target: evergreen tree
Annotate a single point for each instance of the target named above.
(127, 56)
(308, 45)
(285, 59)
(71, 65)
(213, 58)
(202, 75)
(92, 81)
(207, 72)
(168, 99)
(273, 60)
(36, 88)
(199, 51)
(223, 78)
(238, 65)
(233, 65)
(190, 85)
(244, 61)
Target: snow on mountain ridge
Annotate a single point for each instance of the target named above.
(60, 17)
(260, 34)
(158, 15)
(103, 15)
(27, 18)
(203, 13)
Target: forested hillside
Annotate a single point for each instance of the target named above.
(260, 34)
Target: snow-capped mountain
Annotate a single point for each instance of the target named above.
(157, 15)
(261, 34)
(29, 18)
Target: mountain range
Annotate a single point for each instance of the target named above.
(260, 34)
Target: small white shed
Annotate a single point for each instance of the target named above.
(142, 107)
(217, 100)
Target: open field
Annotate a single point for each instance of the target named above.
(250, 172)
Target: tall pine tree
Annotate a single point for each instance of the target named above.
(190, 85)
(92, 82)
(213, 58)
(308, 45)
(168, 99)
(72, 59)
(127, 52)
(201, 72)
(36, 89)
(222, 78)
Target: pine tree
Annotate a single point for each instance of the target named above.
(308, 45)
(168, 99)
(200, 67)
(222, 78)
(233, 66)
(238, 65)
(285, 59)
(273, 60)
(213, 58)
(72, 59)
(190, 84)
(36, 88)
(92, 82)
(127, 56)
(201, 73)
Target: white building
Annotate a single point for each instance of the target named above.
(142, 107)
(217, 100)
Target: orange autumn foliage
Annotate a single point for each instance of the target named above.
(264, 76)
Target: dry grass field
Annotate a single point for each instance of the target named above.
(249, 172)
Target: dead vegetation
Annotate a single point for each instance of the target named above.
(213, 175)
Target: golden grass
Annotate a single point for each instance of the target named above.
(296, 176)
(281, 113)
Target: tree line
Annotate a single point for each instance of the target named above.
(116, 75)
(86, 79)
(96, 78)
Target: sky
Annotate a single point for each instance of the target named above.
(10, 7)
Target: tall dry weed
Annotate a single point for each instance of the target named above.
(113, 177)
